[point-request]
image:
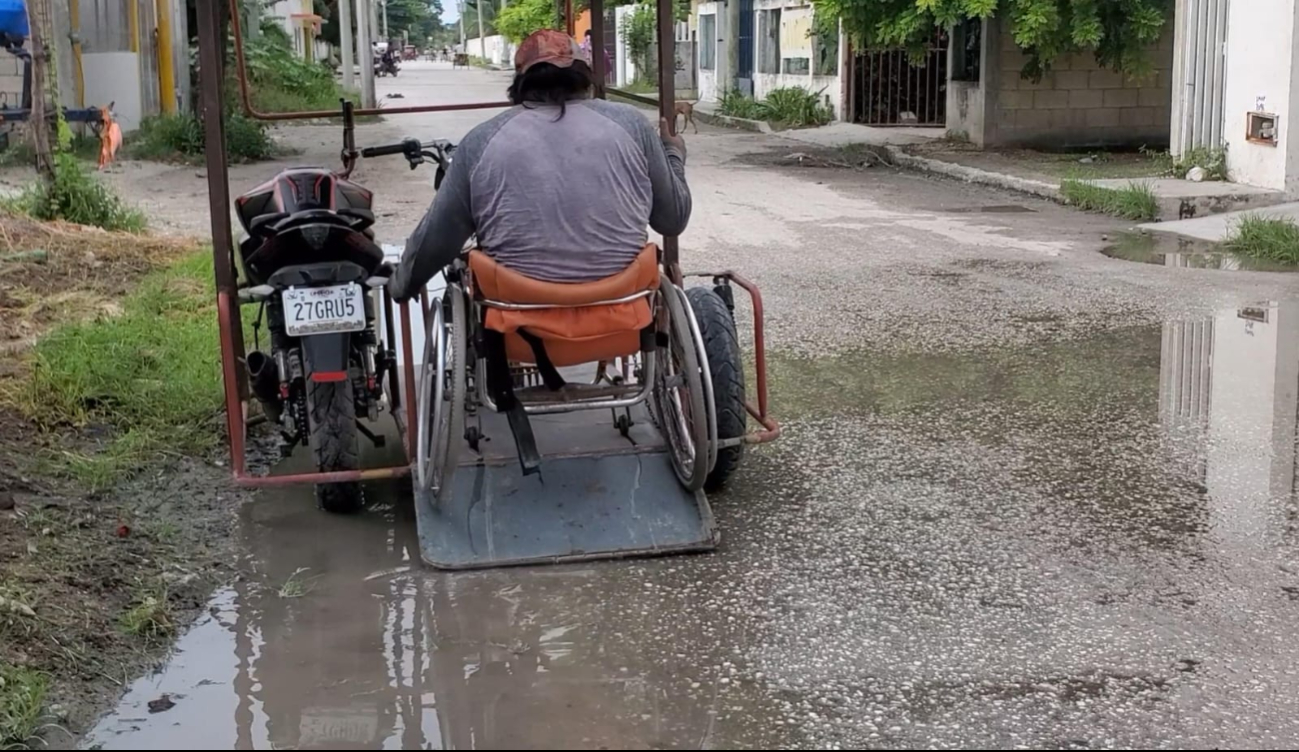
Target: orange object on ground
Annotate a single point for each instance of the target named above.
(581, 332)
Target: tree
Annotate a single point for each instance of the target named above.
(1117, 32)
(523, 17)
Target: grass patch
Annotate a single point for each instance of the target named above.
(1212, 161)
(179, 137)
(790, 107)
(149, 615)
(1137, 201)
(76, 195)
(298, 585)
(1268, 238)
(22, 703)
(151, 374)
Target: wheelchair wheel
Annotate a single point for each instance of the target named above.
(679, 396)
(441, 406)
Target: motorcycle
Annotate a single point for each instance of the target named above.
(386, 66)
(312, 266)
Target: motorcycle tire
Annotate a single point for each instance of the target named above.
(335, 443)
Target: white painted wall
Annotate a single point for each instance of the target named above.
(498, 50)
(1262, 76)
(795, 19)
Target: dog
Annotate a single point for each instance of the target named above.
(686, 110)
(110, 136)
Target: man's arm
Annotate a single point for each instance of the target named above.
(670, 212)
(440, 235)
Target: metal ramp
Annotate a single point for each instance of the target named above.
(599, 496)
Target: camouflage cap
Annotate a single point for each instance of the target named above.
(548, 46)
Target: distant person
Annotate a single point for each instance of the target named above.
(587, 47)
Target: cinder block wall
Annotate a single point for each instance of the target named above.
(11, 79)
(1079, 104)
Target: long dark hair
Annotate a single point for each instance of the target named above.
(546, 84)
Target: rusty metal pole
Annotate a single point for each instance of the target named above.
(597, 48)
(211, 48)
(570, 21)
(667, 110)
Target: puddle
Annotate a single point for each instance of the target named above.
(1163, 249)
(988, 549)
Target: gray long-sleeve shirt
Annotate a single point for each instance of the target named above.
(561, 200)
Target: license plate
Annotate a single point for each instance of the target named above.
(324, 310)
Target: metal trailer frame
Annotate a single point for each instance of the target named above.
(213, 17)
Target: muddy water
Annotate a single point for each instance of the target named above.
(1087, 544)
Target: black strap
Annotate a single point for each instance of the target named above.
(500, 384)
(549, 374)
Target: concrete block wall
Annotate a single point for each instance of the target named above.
(1078, 103)
(11, 80)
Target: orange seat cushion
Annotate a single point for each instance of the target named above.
(576, 334)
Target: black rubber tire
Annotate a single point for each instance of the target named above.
(722, 347)
(335, 443)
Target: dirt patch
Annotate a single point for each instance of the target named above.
(55, 272)
(851, 157)
(104, 581)
(1047, 167)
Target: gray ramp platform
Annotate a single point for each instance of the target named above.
(599, 496)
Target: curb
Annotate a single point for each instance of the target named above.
(754, 126)
(974, 175)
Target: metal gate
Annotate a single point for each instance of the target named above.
(889, 89)
(744, 37)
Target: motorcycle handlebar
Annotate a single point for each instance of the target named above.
(410, 147)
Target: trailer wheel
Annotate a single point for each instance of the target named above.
(722, 348)
(335, 445)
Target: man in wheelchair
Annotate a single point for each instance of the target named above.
(558, 192)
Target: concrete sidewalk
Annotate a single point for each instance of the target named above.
(1218, 228)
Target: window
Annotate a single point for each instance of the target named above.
(798, 66)
(708, 42)
(825, 51)
(769, 41)
(967, 48)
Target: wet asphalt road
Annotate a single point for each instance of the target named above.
(1027, 496)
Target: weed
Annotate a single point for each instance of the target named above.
(21, 153)
(1137, 201)
(149, 615)
(281, 81)
(735, 104)
(1270, 238)
(796, 106)
(1212, 161)
(790, 106)
(77, 196)
(297, 585)
(152, 373)
(180, 137)
(22, 702)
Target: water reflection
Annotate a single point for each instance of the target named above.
(1231, 383)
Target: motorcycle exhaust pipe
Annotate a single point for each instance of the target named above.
(265, 378)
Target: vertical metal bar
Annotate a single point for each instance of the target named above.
(570, 23)
(597, 47)
(230, 326)
(667, 109)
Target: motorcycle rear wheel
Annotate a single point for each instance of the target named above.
(335, 443)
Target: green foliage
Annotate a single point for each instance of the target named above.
(640, 29)
(180, 137)
(152, 373)
(1269, 238)
(1115, 31)
(795, 106)
(524, 17)
(790, 106)
(1212, 161)
(22, 702)
(1136, 202)
(75, 195)
(282, 81)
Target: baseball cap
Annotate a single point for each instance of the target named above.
(548, 46)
